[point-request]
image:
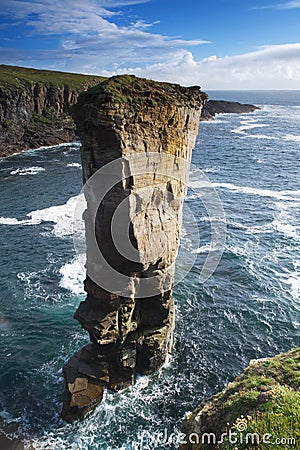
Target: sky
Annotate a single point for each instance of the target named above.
(217, 44)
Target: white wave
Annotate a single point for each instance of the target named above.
(282, 223)
(270, 227)
(285, 220)
(292, 137)
(212, 170)
(74, 165)
(211, 219)
(13, 221)
(279, 195)
(248, 126)
(62, 216)
(192, 196)
(294, 282)
(262, 299)
(286, 228)
(248, 121)
(32, 151)
(28, 170)
(204, 249)
(65, 144)
(73, 275)
(261, 136)
(141, 383)
(213, 121)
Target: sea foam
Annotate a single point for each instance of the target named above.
(248, 126)
(279, 195)
(75, 164)
(73, 275)
(292, 137)
(34, 170)
(61, 215)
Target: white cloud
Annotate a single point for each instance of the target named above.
(270, 67)
(287, 5)
(92, 43)
(82, 18)
(89, 36)
(141, 24)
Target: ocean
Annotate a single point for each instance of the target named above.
(249, 307)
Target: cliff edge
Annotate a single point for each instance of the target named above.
(137, 137)
(262, 403)
(35, 107)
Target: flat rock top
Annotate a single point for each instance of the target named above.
(130, 90)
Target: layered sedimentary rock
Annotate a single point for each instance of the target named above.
(35, 107)
(137, 137)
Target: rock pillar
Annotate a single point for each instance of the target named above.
(137, 137)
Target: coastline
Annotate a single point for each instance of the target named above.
(211, 109)
(260, 162)
(42, 147)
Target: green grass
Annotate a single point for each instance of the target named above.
(12, 76)
(131, 90)
(266, 399)
(263, 401)
(275, 426)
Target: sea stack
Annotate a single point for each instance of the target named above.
(137, 138)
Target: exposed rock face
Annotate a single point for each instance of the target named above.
(35, 107)
(213, 107)
(21, 130)
(150, 126)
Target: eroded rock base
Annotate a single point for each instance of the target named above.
(115, 365)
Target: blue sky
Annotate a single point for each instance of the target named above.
(219, 44)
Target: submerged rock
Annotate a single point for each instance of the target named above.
(137, 137)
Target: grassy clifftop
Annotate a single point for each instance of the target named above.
(129, 89)
(35, 106)
(12, 76)
(263, 403)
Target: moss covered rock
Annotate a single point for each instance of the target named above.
(263, 400)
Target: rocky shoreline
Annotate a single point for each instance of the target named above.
(215, 107)
(35, 107)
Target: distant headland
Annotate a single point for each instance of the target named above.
(35, 107)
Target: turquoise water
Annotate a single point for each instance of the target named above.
(248, 309)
